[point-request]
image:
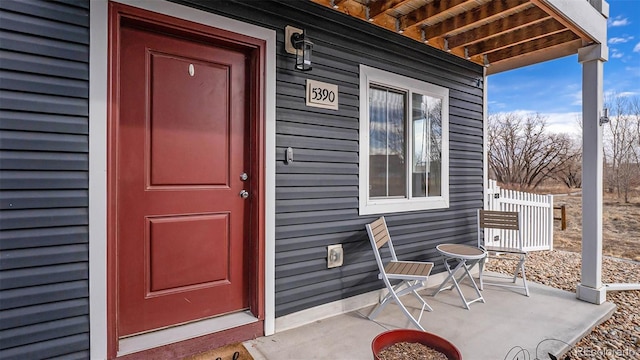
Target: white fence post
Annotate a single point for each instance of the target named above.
(550, 219)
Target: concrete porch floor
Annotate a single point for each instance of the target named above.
(489, 331)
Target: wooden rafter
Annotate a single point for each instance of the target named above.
(426, 12)
(533, 45)
(522, 35)
(497, 30)
(503, 25)
(477, 15)
(379, 7)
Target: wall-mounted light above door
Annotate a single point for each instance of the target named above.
(296, 42)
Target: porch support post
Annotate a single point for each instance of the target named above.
(592, 59)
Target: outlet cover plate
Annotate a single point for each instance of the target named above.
(335, 256)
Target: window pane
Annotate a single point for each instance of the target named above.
(435, 146)
(427, 145)
(387, 172)
(420, 146)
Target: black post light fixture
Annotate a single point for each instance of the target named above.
(297, 43)
(604, 118)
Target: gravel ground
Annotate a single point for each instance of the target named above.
(616, 338)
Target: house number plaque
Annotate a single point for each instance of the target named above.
(322, 95)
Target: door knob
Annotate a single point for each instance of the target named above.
(244, 194)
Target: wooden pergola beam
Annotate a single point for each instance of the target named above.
(531, 33)
(481, 13)
(531, 46)
(423, 14)
(378, 7)
(500, 26)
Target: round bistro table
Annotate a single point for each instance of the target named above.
(466, 257)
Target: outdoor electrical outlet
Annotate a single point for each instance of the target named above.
(335, 256)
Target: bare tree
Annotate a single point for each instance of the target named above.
(522, 153)
(621, 145)
(570, 174)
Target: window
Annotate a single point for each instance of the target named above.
(404, 143)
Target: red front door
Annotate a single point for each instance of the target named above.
(182, 144)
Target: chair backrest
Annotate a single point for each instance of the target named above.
(502, 228)
(379, 236)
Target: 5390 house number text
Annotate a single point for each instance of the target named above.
(322, 95)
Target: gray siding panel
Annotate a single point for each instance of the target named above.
(34, 199)
(44, 73)
(25, 316)
(32, 218)
(28, 24)
(43, 237)
(317, 194)
(13, 120)
(17, 180)
(15, 140)
(59, 12)
(63, 346)
(41, 332)
(46, 47)
(45, 66)
(50, 104)
(10, 279)
(25, 160)
(10, 80)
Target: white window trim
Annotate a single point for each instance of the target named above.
(368, 206)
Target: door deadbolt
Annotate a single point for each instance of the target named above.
(244, 194)
(244, 176)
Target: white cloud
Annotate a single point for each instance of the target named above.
(615, 54)
(619, 21)
(576, 97)
(627, 94)
(620, 40)
(567, 123)
(564, 122)
(636, 48)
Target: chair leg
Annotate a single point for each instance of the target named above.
(516, 271)
(481, 268)
(524, 276)
(408, 314)
(385, 300)
(424, 303)
(394, 295)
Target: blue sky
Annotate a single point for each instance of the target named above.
(554, 88)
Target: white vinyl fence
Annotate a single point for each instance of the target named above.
(536, 214)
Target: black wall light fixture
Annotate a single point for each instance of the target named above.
(296, 42)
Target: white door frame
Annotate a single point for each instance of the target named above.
(98, 86)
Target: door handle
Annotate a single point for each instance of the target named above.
(244, 194)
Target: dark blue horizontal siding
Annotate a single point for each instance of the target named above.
(29, 121)
(55, 49)
(43, 237)
(44, 107)
(317, 194)
(25, 160)
(15, 278)
(75, 14)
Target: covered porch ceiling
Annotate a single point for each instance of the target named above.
(499, 34)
